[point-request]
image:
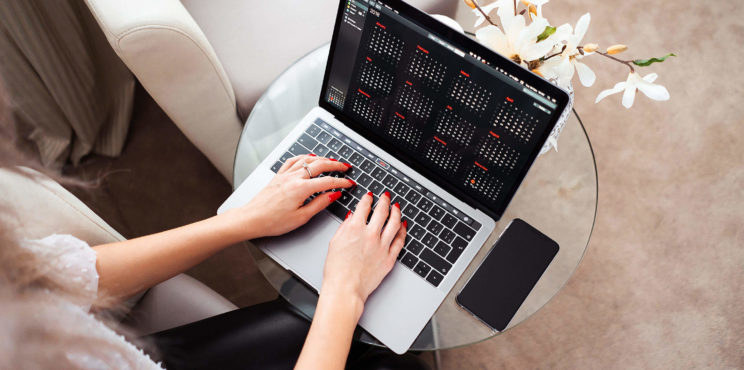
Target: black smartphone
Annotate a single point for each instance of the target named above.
(506, 276)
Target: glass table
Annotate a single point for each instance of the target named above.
(558, 197)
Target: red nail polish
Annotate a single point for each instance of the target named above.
(397, 205)
(387, 194)
(333, 159)
(334, 196)
(312, 155)
(347, 215)
(347, 165)
(352, 182)
(405, 223)
(370, 194)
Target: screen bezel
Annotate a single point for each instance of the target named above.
(449, 34)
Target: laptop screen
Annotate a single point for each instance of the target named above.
(466, 118)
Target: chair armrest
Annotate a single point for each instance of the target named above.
(164, 47)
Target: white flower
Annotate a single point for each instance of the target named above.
(518, 42)
(562, 69)
(634, 81)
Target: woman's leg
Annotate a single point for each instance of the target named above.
(265, 336)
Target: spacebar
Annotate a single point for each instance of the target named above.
(438, 263)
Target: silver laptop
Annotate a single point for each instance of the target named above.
(445, 125)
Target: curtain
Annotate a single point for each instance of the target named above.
(70, 94)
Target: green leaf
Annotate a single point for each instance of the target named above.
(648, 62)
(549, 30)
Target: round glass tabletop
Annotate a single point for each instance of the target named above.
(558, 197)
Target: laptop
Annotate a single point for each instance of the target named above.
(447, 126)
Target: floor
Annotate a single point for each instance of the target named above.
(662, 282)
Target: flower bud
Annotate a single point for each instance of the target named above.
(590, 48)
(471, 3)
(537, 72)
(616, 49)
(533, 9)
(525, 2)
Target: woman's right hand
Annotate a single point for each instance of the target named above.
(361, 254)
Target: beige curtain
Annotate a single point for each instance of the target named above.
(70, 94)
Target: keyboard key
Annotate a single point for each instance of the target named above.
(425, 205)
(418, 232)
(376, 188)
(422, 269)
(447, 235)
(449, 220)
(276, 167)
(422, 219)
(338, 210)
(442, 249)
(434, 278)
(285, 156)
(409, 260)
(390, 181)
(358, 192)
(396, 199)
(307, 141)
(367, 166)
(436, 213)
(332, 155)
(378, 173)
(356, 159)
(353, 173)
(410, 211)
(413, 197)
(321, 150)
(401, 189)
(401, 254)
(324, 137)
(414, 247)
(438, 263)
(464, 231)
(435, 227)
(353, 204)
(335, 145)
(345, 151)
(458, 246)
(346, 197)
(364, 180)
(313, 130)
(297, 149)
(430, 240)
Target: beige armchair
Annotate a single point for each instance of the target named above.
(207, 62)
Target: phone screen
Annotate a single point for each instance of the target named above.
(507, 275)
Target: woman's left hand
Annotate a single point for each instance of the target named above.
(279, 208)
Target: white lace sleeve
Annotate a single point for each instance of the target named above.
(72, 264)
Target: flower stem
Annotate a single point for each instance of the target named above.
(484, 13)
(515, 7)
(626, 62)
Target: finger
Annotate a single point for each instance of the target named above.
(399, 240)
(321, 184)
(392, 226)
(328, 165)
(362, 209)
(307, 158)
(320, 203)
(292, 161)
(381, 212)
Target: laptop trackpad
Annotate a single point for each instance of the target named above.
(305, 249)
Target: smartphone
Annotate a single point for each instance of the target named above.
(504, 279)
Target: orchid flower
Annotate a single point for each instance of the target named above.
(635, 81)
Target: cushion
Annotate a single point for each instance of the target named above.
(256, 41)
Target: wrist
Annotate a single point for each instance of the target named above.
(343, 297)
(242, 223)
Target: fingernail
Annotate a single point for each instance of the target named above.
(405, 223)
(333, 159)
(347, 165)
(370, 194)
(334, 196)
(387, 194)
(397, 205)
(352, 182)
(312, 155)
(347, 215)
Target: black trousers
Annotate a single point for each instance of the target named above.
(265, 336)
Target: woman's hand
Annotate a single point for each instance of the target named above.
(279, 208)
(361, 254)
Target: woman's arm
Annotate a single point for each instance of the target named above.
(130, 266)
(360, 255)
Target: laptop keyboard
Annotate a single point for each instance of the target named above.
(437, 232)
